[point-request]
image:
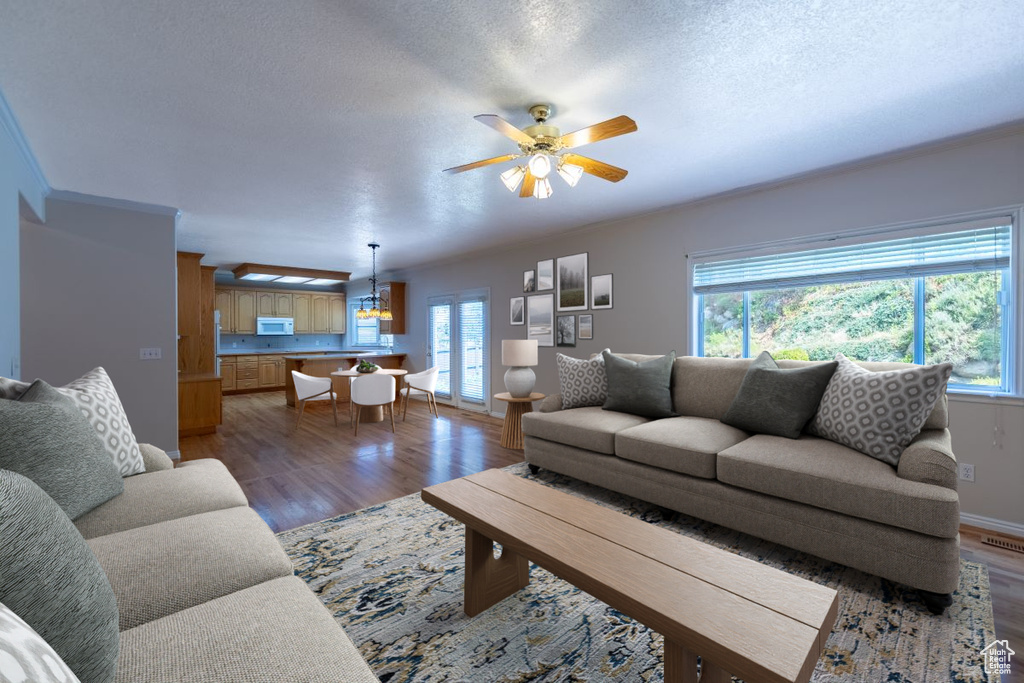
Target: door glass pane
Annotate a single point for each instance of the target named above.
(963, 325)
(723, 325)
(871, 321)
(440, 346)
(471, 348)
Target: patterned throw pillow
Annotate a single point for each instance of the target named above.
(95, 396)
(12, 389)
(582, 382)
(24, 656)
(878, 413)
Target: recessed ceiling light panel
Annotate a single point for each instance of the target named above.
(293, 280)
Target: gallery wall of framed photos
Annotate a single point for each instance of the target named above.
(557, 295)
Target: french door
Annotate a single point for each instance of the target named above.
(459, 338)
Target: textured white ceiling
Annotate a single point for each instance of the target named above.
(295, 132)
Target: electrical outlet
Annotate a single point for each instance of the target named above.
(966, 471)
(234, 345)
(150, 354)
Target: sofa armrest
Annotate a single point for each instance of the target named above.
(551, 404)
(155, 459)
(929, 459)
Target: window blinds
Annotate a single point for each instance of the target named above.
(473, 349)
(978, 248)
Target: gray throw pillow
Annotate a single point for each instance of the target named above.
(50, 578)
(643, 389)
(96, 398)
(12, 389)
(48, 440)
(778, 401)
(878, 413)
(581, 382)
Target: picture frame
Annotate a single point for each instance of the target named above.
(601, 292)
(571, 276)
(529, 281)
(585, 329)
(565, 335)
(540, 319)
(517, 310)
(545, 275)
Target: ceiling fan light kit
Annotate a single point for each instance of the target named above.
(544, 146)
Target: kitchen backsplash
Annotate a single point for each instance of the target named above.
(304, 342)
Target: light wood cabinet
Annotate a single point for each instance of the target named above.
(321, 314)
(268, 372)
(227, 376)
(224, 301)
(245, 311)
(265, 304)
(394, 296)
(281, 381)
(339, 314)
(274, 304)
(303, 313)
(283, 307)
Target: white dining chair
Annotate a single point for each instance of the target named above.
(422, 383)
(374, 390)
(309, 388)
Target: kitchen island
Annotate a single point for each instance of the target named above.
(324, 364)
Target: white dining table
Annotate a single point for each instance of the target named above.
(374, 413)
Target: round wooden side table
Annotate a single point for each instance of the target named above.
(512, 430)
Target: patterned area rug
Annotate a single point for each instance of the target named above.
(392, 576)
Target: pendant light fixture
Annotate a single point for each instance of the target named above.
(377, 308)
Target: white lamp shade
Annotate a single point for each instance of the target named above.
(518, 352)
(542, 188)
(571, 173)
(540, 166)
(512, 177)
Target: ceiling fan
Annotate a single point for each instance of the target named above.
(545, 146)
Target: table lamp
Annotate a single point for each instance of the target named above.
(519, 355)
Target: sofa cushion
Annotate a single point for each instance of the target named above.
(50, 578)
(164, 568)
(688, 445)
(46, 439)
(201, 486)
(878, 413)
(778, 401)
(25, 656)
(276, 631)
(591, 428)
(581, 382)
(834, 477)
(95, 396)
(639, 387)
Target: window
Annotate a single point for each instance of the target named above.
(473, 349)
(366, 330)
(941, 295)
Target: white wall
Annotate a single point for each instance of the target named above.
(646, 255)
(98, 282)
(22, 191)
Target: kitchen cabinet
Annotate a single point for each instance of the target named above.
(321, 314)
(339, 314)
(274, 304)
(303, 313)
(268, 372)
(245, 311)
(199, 404)
(283, 307)
(394, 296)
(227, 375)
(224, 301)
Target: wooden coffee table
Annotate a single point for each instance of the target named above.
(743, 618)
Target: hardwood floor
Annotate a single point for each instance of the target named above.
(295, 477)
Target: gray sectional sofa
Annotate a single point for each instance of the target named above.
(900, 523)
(204, 590)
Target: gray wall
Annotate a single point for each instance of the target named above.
(22, 190)
(646, 254)
(98, 282)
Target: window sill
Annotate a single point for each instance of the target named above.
(993, 399)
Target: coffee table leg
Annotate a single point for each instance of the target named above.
(490, 580)
(681, 666)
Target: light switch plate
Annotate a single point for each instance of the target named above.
(150, 354)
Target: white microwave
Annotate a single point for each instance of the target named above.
(275, 326)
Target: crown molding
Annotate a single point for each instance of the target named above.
(110, 202)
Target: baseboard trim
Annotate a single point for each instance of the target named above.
(174, 455)
(990, 524)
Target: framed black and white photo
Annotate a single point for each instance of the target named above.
(566, 330)
(529, 281)
(517, 310)
(586, 330)
(545, 275)
(571, 272)
(540, 319)
(601, 291)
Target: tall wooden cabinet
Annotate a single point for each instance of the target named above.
(224, 302)
(313, 313)
(393, 294)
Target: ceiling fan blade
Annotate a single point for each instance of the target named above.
(528, 182)
(594, 167)
(611, 128)
(478, 164)
(504, 127)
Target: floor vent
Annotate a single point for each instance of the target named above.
(1015, 546)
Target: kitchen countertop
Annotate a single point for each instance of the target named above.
(340, 355)
(281, 352)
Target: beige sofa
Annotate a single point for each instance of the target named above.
(808, 493)
(204, 590)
